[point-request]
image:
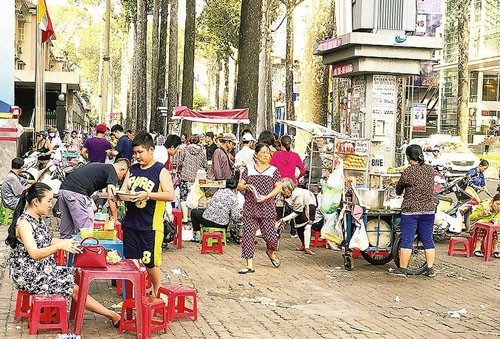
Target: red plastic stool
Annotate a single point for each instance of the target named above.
(48, 303)
(178, 222)
(215, 248)
(22, 306)
(316, 242)
(459, 240)
(151, 324)
(177, 301)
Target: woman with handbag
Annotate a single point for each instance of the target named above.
(32, 265)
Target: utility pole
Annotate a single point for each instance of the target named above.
(105, 63)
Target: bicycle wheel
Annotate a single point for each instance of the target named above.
(417, 263)
(377, 257)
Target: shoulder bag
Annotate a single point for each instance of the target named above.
(91, 256)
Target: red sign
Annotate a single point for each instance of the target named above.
(329, 44)
(419, 128)
(342, 69)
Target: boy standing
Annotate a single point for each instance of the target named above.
(143, 224)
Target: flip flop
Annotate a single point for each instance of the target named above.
(246, 270)
(300, 248)
(308, 251)
(496, 255)
(276, 262)
(478, 254)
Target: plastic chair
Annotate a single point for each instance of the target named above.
(53, 302)
(315, 235)
(459, 240)
(205, 246)
(150, 308)
(23, 306)
(177, 301)
(214, 230)
(178, 221)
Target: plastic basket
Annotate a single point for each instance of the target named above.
(99, 234)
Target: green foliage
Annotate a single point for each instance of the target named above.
(218, 27)
(199, 102)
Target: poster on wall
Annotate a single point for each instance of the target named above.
(419, 118)
(384, 98)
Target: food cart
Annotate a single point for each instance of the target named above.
(381, 216)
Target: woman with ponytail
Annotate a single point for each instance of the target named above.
(31, 261)
(417, 183)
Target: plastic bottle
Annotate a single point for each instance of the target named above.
(69, 336)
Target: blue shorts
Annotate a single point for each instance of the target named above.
(411, 223)
(143, 245)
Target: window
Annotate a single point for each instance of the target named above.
(473, 87)
(20, 31)
(490, 88)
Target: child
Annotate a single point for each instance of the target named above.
(143, 224)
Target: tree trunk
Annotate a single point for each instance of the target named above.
(463, 69)
(225, 93)
(217, 84)
(269, 82)
(247, 90)
(314, 88)
(141, 57)
(188, 65)
(261, 115)
(172, 57)
(132, 117)
(159, 121)
(155, 42)
(289, 104)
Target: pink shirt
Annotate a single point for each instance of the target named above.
(286, 162)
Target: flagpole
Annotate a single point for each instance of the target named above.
(39, 80)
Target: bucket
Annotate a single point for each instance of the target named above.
(371, 198)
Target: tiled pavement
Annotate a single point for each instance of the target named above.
(307, 297)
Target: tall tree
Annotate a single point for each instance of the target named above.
(140, 57)
(188, 65)
(155, 44)
(290, 9)
(156, 119)
(463, 68)
(172, 57)
(247, 90)
(314, 88)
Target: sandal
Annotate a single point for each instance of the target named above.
(276, 262)
(300, 248)
(496, 255)
(478, 254)
(246, 270)
(308, 251)
(117, 324)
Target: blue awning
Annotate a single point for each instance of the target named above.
(4, 108)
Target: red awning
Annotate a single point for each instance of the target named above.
(228, 116)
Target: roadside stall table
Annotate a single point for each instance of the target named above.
(125, 269)
(209, 187)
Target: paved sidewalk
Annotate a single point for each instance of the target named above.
(307, 297)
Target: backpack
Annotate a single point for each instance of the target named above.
(169, 230)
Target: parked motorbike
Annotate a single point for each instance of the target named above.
(453, 213)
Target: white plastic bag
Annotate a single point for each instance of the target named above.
(359, 239)
(332, 228)
(332, 190)
(194, 196)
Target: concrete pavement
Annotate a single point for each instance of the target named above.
(307, 297)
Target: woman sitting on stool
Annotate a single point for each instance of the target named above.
(220, 210)
(303, 205)
(486, 211)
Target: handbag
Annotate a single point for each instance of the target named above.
(91, 255)
(169, 230)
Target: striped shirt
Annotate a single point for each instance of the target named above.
(221, 166)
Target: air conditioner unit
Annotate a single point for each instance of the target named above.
(392, 15)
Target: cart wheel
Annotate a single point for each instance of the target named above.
(377, 257)
(417, 264)
(348, 263)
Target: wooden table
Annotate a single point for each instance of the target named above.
(488, 239)
(125, 269)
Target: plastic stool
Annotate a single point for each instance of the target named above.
(459, 240)
(214, 230)
(60, 257)
(6, 215)
(151, 324)
(177, 301)
(22, 306)
(316, 242)
(178, 222)
(207, 236)
(47, 302)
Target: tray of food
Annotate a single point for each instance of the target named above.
(127, 196)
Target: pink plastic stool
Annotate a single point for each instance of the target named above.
(46, 302)
(150, 307)
(177, 302)
(459, 240)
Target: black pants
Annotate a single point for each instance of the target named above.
(300, 233)
(197, 220)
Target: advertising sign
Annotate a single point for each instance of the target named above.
(419, 118)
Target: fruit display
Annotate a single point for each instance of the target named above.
(396, 170)
(361, 180)
(113, 257)
(354, 161)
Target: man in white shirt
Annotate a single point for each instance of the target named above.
(245, 156)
